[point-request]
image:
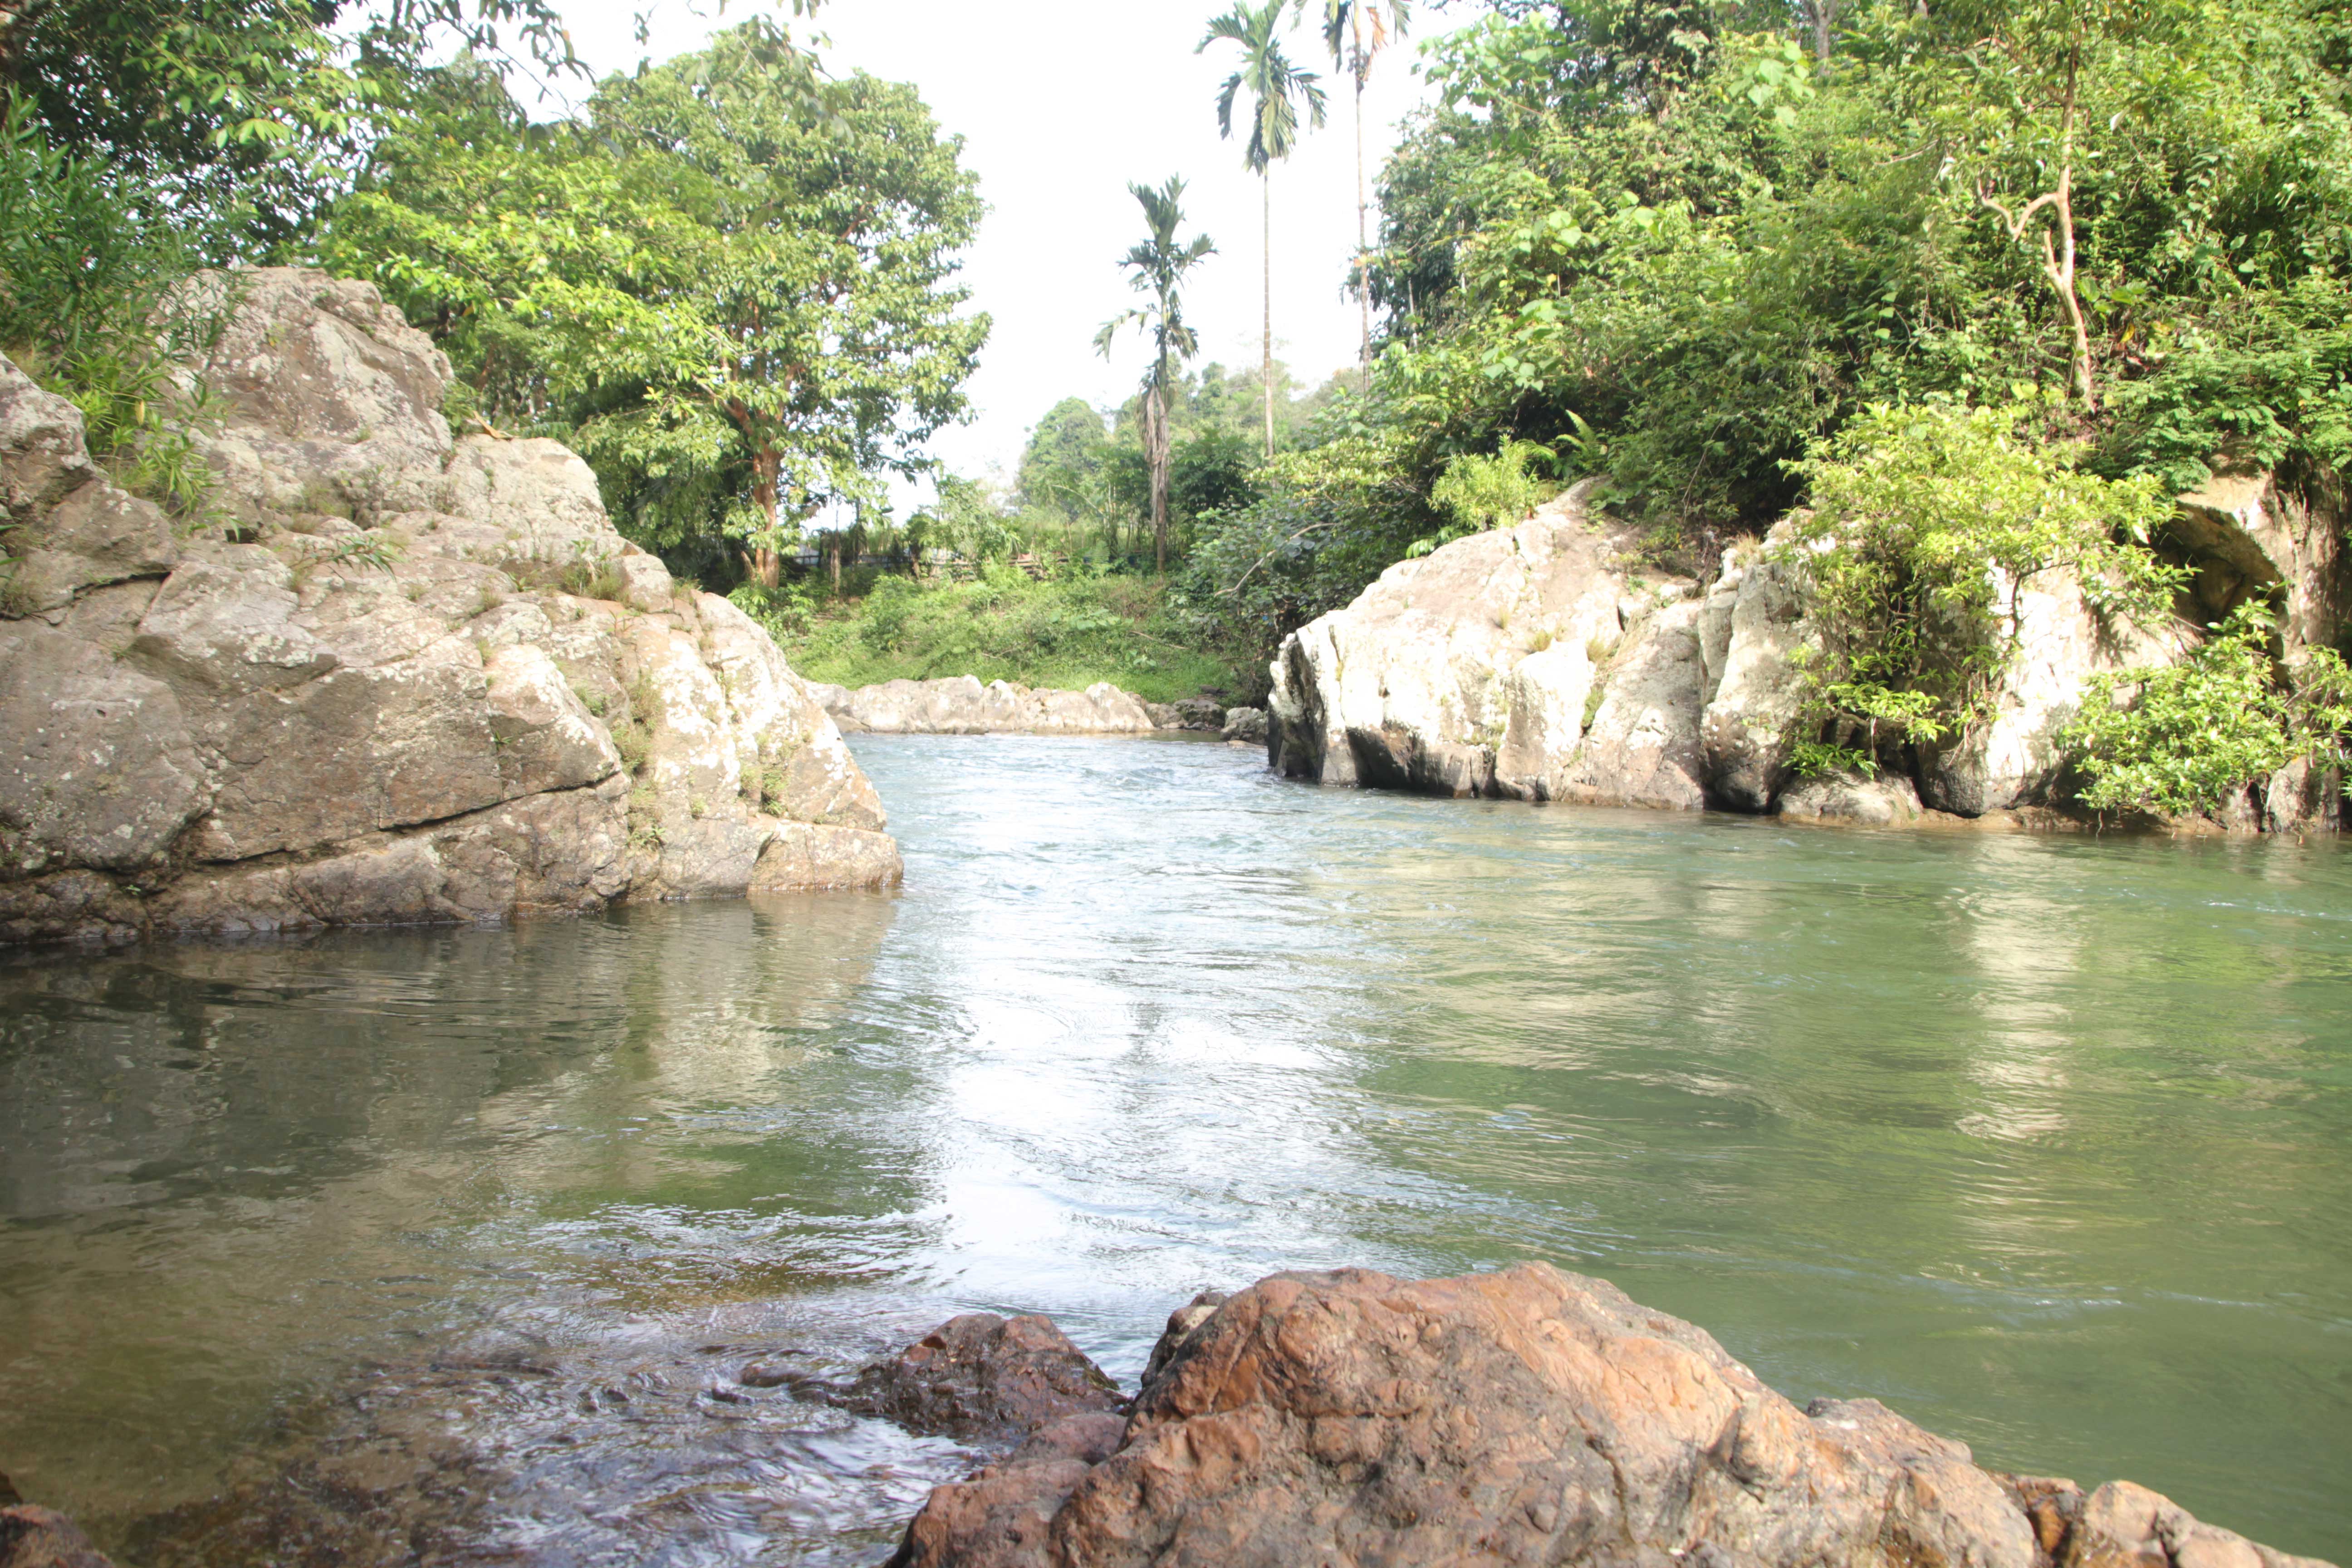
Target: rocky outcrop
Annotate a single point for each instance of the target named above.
(961, 705)
(2251, 536)
(400, 678)
(1528, 1416)
(1538, 662)
(1469, 671)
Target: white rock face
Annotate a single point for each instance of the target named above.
(1644, 746)
(2061, 642)
(1752, 704)
(439, 687)
(961, 705)
(1415, 685)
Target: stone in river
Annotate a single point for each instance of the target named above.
(980, 1374)
(40, 1538)
(1529, 1416)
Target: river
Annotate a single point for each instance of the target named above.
(454, 1238)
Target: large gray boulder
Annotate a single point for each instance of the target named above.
(432, 682)
(1465, 672)
(1528, 1416)
(1644, 746)
(1756, 617)
(2016, 757)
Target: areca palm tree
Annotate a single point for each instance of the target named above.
(1277, 90)
(1157, 266)
(1356, 31)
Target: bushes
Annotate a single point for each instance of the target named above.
(2187, 738)
(1481, 491)
(1928, 520)
(1069, 632)
(91, 262)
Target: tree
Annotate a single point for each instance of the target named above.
(739, 305)
(1157, 265)
(1277, 91)
(1356, 31)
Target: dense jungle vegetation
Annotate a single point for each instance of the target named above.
(1990, 278)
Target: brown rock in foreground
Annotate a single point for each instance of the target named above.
(980, 1374)
(38, 1538)
(1530, 1417)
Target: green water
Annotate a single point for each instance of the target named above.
(2047, 1142)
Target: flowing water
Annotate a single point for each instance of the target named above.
(453, 1239)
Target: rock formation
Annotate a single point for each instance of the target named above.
(1529, 1416)
(1540, 662)
(961, 705)
(980, 1374)
(40, 1538)
(392, 676)
(1469, 671)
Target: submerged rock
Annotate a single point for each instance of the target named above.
(980, 1374)
(1529, 1416)
(411, 679)
(1887, 800)
(961, 705)
(39, 1537)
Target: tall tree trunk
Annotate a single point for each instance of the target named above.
(1156, 444)
(1823, 14)
(1266, 368)
(764, 563)
(2058, 250)
(1363, 232)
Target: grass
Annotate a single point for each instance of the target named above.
(1067, 632)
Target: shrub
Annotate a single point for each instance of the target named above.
(1480, 492)
(91, 264)
(2187, 738)
(1928, 520)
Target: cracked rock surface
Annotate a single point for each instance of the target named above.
(396, 677)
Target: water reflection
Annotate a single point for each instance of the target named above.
(229, 1172)
(2046, 1142)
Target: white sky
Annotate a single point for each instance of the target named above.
(1062, 103)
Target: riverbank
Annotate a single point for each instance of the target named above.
(1068, 632)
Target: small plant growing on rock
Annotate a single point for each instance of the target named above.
(1928, 521)
(369, 550)
(1481, 491)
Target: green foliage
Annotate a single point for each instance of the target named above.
(1068, 631)
(739, 305)
(249, 112)
(2188, 736)
(1928, 521)
(1480, 490)
(91, 261)
(1661, 219)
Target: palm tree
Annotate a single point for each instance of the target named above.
(1356, 31)
(1157, 265)
(1275, 88)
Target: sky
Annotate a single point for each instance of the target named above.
(1061, 105)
